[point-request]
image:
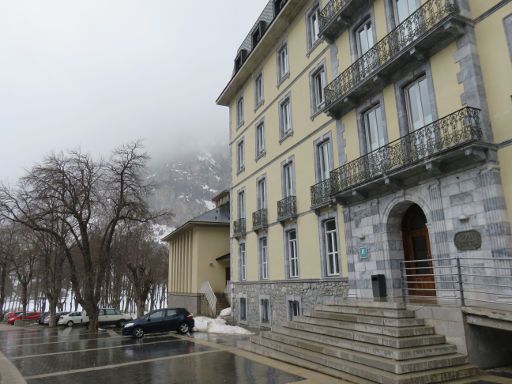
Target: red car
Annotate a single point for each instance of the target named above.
(29, 316)
(10, 315)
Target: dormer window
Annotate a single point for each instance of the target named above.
(278, 6)
(240, 59)
(258, 33)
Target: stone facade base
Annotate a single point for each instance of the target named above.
(192, 302)
(307, 293)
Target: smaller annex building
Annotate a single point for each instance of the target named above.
(199, 260)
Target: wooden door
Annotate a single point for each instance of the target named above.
(420, 272)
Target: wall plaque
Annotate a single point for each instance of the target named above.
(363, 253)
(468, 240)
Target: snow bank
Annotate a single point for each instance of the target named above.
(225, 312)
(209, 325)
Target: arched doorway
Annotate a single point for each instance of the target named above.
(419, 269)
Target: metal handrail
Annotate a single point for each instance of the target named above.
(239, 227)
(458, 128)
(330, 11)
(211, 298)
(259, 218)
(287, 208)
(399, 39)
(321, 193)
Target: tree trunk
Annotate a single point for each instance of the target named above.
(3, 282)
(140, 301)
(24, 297)
(53, 300)
(93, 313)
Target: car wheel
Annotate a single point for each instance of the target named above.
(138, 332)
(183, 328)
(69, 323)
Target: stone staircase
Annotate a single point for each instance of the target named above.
(365, 342)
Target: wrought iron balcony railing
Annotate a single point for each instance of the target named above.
(239, 228)
(287, 208)
(259, 219)
(321, 194)
(452, 131)
(335, 16)
(392, 47)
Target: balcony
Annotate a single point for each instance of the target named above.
(447, 144)
(239, 228)
(321, 194)
(287, 208)
(435, 24)
(259, 220)
(335, 17)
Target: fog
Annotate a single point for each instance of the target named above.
(94, 74)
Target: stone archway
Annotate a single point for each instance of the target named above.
(408, 240)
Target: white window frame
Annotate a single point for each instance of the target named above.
(283, 64)
(291, 308)
(288, 181)
(421, 104)
(260, 139)
(292, 254)
(313, 26)
(240, 156)
(370, 41)
(285, 118)
(330, 237)
(241, 205)
(261, 193)
(318, 83)
(323, 159)
(259, 96)
(240, 111)
(263, 251)
(374, 115)
(242, 255)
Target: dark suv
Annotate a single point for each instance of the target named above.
(161, 320)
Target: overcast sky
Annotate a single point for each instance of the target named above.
(98, 73)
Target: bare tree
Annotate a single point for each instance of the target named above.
(6, 243)
(91, 198)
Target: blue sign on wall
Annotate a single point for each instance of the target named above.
(363, 253)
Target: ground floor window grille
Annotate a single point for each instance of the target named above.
(243, 309)
(265, 310)
(294, 308)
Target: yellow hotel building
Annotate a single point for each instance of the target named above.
(371, 141)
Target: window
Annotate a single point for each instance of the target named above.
(323, 160)
(283, 68)
(258, 90)
(260, 140)
(240, 156)
(241, 205)
(374, 128)
(278, 6)
(288, 189)
(171, 312)
(240, 112)
(364, 38)
(331, 247)
(243, 309)
(258, 33)
(507, 22)
(313, 29)
(261, 193)
(405, 8)
(418, 104)
(317, 87)
(264, 311)
(243, 261)
(293, 309)
(263, 250)
(293, 260)
(157, 315)
(285, 118)
(240, 59)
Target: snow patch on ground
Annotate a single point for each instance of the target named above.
(209, 325)
(225, 312)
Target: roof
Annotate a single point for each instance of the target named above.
(216, 217)
(220, 195)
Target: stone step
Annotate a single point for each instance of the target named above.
(386, 364)
(367, 328)
(362, 303)
(370, 338)
(364, 311)
(388, 322)
(354, 372)
(300, 362)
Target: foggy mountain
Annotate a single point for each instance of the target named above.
(186, 182)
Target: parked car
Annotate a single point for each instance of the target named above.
(107, 316)
(10, 315)
(46, 319)
(28, 316)
(161, 320)
(43, 316)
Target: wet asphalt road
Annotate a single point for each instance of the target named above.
(72, 355)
